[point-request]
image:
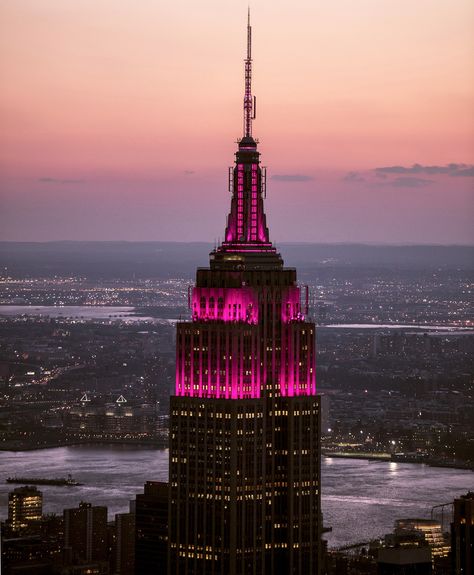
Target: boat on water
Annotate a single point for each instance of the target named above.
(68, 481)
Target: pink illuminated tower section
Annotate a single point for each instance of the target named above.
(246, 223)
(247, 247)
(244, 420)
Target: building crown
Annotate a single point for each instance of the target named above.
(246, 234)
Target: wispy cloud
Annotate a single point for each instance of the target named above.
(292, 178)
(449, 169)
(466, 172)
(189, 172)
(409, 182)
(353, 177)
(60, 181)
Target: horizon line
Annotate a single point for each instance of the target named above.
(296, 243)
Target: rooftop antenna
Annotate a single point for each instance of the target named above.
(250, 102)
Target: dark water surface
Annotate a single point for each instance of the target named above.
(361, 499)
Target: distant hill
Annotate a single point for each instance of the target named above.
(172, 259)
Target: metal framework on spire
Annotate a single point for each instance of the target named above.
(249, 100)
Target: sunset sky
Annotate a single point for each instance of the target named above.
(119, 118)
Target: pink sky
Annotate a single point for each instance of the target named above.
(119, 118)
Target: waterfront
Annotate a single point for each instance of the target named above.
(132, 314)
(414, 326)
(361, 499)
(82, 313)
(79, 312)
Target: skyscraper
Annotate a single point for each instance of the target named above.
(429, 530)
(244, 422)
(151, 529)
(85, 535)
(25, 506)
(123, 560)
(462, 535)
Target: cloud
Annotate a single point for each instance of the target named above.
(59, 181)
(448, 169)
(409, 182)
(188, 172)
(292, 178)
(466, 172)
(353, 177)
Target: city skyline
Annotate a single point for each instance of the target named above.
(366, 112)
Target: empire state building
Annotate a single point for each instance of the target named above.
(244, 421)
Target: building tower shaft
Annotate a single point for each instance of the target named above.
(244, 422)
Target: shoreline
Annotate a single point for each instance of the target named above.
(122, 312)
(388, 458)
(372, 457)
(156, 444)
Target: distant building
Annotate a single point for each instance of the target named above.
(462, 535)
(117, 419)
(429, 530)
(38, 551)
(405, 552)
(25, 506)
(124, 548)
(404, 561)
(151, 529)
(25, 555)
(85, 535)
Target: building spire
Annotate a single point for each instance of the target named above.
(249, 100)
(246, 234)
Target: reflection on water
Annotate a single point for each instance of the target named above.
(424, 327)
(85, 311)
(392, 467)
(127, 314)
(80, 313)
(361, 499)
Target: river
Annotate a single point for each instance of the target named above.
(126, 314)
(361, 499)
(80, 313)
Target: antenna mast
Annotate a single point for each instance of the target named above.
(249, 100)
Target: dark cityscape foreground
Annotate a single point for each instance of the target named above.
(82, 541)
